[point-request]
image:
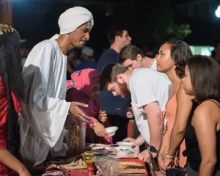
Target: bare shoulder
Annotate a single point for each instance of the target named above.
(207, 107)
(207, 110)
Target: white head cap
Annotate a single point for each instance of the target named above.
(73, 18)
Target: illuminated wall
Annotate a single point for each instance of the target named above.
(202, 50)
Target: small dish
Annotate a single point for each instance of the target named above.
(111, 131)
(98, 148)
(125, 145)
(123, 153)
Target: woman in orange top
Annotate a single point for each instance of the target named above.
(171, 60)
(10, 81)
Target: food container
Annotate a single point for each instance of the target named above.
(111, 131)
(76, 136)
(88, 157)
(125, 145)
(123, 152)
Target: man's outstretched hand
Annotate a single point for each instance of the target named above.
(77, 112)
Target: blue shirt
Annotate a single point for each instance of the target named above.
(85, 65)
(110, 56)
(115, 106)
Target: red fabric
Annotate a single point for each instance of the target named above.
(4, 171)
(134, 160)
(79, 88)
(16, 104)
(3, 117)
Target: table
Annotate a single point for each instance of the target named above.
(86, 173)
(134, 160)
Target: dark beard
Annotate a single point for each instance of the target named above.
(124, 90)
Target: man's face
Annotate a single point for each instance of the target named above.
(125, 39)
(132, 64)
(118, 89)
(80, 36)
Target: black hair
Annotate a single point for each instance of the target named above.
(105, 76)
(113, 32)
(10, 72)
(205, 76)
(180, 52)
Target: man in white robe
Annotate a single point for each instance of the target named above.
(44, 108)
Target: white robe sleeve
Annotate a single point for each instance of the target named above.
(45, 86)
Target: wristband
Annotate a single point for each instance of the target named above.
(94, 124)
(93, 121)
(169, 156)
(153, 149)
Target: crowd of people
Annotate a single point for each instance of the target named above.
(174, 99)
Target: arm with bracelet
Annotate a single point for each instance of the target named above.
(184, 107)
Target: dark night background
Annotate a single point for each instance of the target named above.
(149, 22)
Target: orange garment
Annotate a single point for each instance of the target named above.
(170, 114)
(130, 128)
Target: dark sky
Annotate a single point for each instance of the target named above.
(37, 19)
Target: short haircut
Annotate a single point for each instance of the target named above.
(109, 74)
(205, 76)
(180, 52)
(113, 32)
(129, 52)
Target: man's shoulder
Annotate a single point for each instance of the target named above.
(109, 52)
(108, 57)
(144, 72)
(46, 47)
(149, 75)
(48, 44)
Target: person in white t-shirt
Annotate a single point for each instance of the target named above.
(133, 57)
(149, 95)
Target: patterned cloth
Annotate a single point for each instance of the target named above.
(67, 173)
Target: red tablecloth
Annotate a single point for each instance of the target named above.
(134, 160)
(86, 173)
(70, 173)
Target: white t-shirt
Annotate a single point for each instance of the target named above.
(147, 86)
(154, 65)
